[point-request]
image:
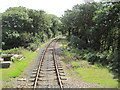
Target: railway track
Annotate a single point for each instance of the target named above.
(49, 73)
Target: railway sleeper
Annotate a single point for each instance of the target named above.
(45, 79)
(34, 72)
(61, 71)
(43, 85)
(35, 69)
(63, 78)
(21, 79)
(48, 70)
(33, 76)
(41, 75)
(48, 74)
(30, 84)
(32, 79)
(49, 67)
(61, 74)
(43, 72)
(60, 68)
(44, 65)
(49, 86)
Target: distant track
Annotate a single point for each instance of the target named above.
(49, 73)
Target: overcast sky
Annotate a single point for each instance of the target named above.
(56, 7)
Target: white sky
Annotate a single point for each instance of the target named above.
(56, 7)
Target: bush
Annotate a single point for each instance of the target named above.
(114, 64)
(77, 42)
(13, 51)
(14, 39)
(32, 46)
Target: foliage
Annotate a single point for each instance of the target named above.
(96, 73)
(13, 51)
(23, 26)
(94, 29)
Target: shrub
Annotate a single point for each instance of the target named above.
(13, 51)
(32, 46)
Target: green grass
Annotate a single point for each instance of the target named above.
(89, 73)
(75, 64)
(97, 75)
(18, 67)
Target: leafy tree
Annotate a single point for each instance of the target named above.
(95, 26)
(22, 27)
(78, 21)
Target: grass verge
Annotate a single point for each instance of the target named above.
(18, 67)
(95, 74)
(89, 73)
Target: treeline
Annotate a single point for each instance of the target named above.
(94, 28)
(23, 27)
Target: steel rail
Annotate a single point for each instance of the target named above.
(55, 64)
(39, 67)
(56, 67)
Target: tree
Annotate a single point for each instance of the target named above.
(25, 26)
(78, 21)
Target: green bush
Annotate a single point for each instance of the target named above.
(32, 46)
(13, 51)
(114, 64)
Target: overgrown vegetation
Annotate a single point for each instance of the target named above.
(90, 73)
(94, 29)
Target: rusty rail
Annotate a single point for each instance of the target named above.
(55, 63)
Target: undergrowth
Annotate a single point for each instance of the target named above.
(80, 61)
